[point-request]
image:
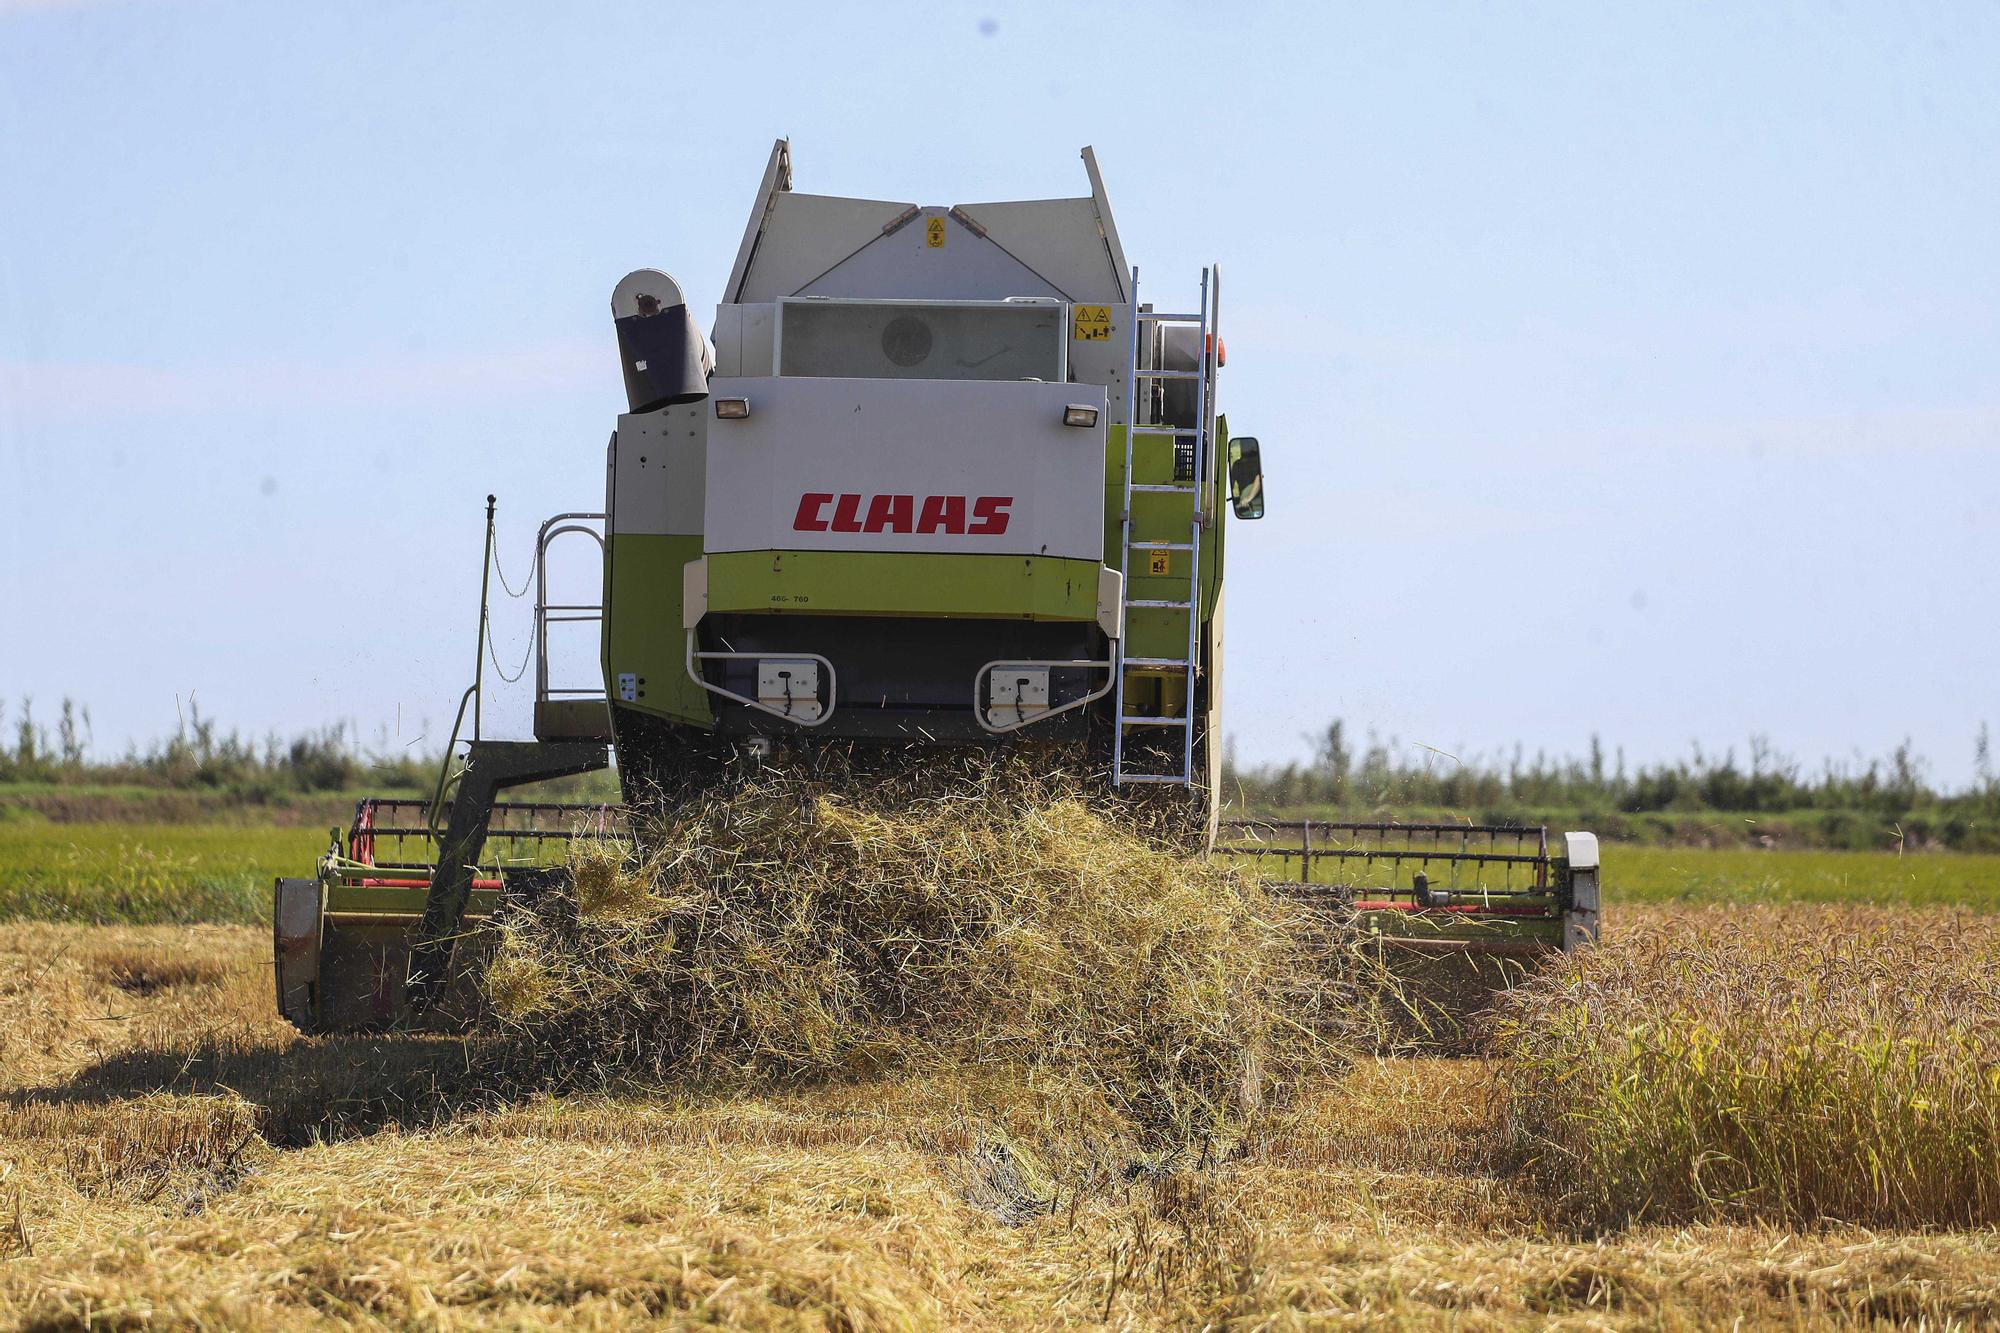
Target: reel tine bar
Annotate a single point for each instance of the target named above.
(1347, 857)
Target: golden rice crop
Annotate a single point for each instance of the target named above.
(1786, 1065)
(131, 1196)
(791, 927)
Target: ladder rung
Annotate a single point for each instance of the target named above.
(1152, 604)
(1162, 546)
(1177, 779)
(1166, 430)
(1154, 721)
(1156, 487)
(1161, 317)
(1157, 663)
(1169, 374)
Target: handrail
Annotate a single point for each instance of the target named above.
(446, 778)
(475, 693)
(553, 527)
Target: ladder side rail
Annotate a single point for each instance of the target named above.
(1210, 501)
(1201, 404)
(1125, 536)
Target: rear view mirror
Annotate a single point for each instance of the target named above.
(1246, 478)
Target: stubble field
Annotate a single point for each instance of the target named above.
(1773, 1117)
(977, 1059)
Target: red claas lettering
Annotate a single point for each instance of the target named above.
(942, 513)
(888, 513)
(923, 516)
(808, 518)
(989, 515)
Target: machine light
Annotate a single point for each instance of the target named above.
(731, 409)
(1079, 414)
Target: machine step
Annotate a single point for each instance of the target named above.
(1159, 604)
(1156, 487)
(1153, 721)
(1177, 779)
(1168, 374)
(1165, 430)
(1157, 663)
(1161, 546)
(1160, 317)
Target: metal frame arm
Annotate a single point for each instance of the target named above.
(694, 674)
(490, 768)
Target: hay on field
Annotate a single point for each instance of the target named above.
(795, 928)
(129, 1196)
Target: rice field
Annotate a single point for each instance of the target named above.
(977, 1061)
(163, 873)
(1735, 877)
(1792, 1064)
(172, 1156)
(147, 873)
(945, 1067)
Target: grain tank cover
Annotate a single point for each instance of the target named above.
(806, 245)
(665, 358)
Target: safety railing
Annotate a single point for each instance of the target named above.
(549, 613)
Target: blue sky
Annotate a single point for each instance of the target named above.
(1620, 369)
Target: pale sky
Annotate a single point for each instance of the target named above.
(1619, 369)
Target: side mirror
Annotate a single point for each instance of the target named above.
(1246, 478)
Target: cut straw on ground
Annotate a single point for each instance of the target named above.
(788, 930)
(380, 1191)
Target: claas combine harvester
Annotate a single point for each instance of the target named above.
(937, 478)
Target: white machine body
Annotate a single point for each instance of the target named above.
(949, 466)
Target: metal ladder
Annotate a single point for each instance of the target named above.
(1138, 384)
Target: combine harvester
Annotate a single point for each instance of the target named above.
(939, 479)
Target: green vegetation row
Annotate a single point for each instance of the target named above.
(203, 774)
(200, 756)
(142, 874)
(148, 874)
(1766, 800)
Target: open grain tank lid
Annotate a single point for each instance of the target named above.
(662, 352)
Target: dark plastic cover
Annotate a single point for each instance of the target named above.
(662, 354)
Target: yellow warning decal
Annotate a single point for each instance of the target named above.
(934, 233)
(1093, 323)
(1156, 562)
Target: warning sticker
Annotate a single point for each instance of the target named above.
(1156, 562)
(934, 233)
(1093, 323)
